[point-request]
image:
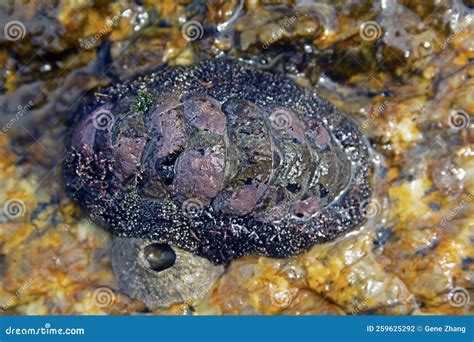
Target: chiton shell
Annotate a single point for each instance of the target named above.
(219, 159)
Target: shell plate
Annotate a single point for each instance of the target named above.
(219, 159)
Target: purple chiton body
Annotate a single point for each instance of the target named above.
(219, 159)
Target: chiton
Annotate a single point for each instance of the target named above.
(219, 159)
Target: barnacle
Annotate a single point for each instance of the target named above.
(160, 275)
(220, 160)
